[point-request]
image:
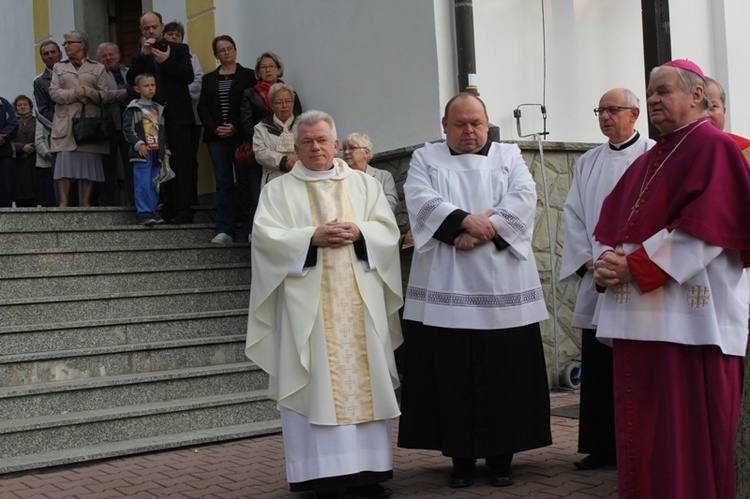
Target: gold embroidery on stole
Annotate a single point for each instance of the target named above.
(343, 310)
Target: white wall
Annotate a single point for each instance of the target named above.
(387, 67)
(714, 34)
(592, 46)
(445, 36)
(20, 52)
(18, 56)
(372, 65)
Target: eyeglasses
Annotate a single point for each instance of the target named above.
(268, 68)
(70, 42)
(287, 102)
(612, 110)
(225, 50)
(351, 148)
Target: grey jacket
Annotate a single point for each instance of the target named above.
(132, 128)
(112, 106)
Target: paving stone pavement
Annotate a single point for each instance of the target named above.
(254, 468)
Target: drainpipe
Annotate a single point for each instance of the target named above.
(467, 66)
(466, 60)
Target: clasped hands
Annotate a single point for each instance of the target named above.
(612, 269)
(225, 130)
(479, 229)
(336, 234)
(80, 95)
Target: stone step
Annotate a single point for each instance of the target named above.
(137, 446)
(79, 335)
(113, 237)
(69, 431)
(24, 262)
(68, 365)
(21, 219)
(88, 282)
(118, 339)
(47, 399)
(28, 311)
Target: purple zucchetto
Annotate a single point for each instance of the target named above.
(686, 64)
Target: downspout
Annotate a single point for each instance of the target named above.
(465, 54)
(467, 66)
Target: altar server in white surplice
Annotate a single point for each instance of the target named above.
(596, 173)
(475, 381)
(323, 319)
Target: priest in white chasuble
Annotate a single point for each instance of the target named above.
(323, 319)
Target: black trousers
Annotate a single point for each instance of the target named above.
(596, 429)
(179, 191)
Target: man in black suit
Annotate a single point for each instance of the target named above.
(170, 63)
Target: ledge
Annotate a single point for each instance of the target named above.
(524, 145)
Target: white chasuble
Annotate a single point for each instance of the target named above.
(343, 310)
(325, 334)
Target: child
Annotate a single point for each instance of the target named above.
(143, 126)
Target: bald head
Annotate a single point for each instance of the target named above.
(618, 112)
(465, 123)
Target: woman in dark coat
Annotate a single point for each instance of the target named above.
(24, 179)
(219, 111)
(269, 68)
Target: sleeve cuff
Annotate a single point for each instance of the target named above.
(582, 270)
(312, 256)
(360, 249)
(499, 243)
(451, 227)
(646, 273)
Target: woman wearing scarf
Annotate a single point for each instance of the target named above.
(256, 105)
(273, 142)
(218, 108)
(23, 189)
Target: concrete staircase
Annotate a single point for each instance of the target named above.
(118, 339)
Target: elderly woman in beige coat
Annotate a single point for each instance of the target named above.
(273, 142)
(75, 82)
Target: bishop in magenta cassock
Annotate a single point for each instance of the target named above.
(672, 240)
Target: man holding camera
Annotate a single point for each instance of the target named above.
(170, 63)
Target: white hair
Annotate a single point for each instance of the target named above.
(311, 118)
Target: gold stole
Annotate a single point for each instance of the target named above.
(343, 310)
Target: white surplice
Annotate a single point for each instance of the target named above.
(595, 174)
(483, 288)
(704, 303)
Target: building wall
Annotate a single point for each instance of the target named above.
(388, 67)
(372, 65)
(713, 33)
(591, 47)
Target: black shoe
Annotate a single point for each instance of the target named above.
(331, 494)
(371, 491)
(146, 219)
(594, 461)
(501, 477)
(462, 474)
(180, 220)
(459, 481)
